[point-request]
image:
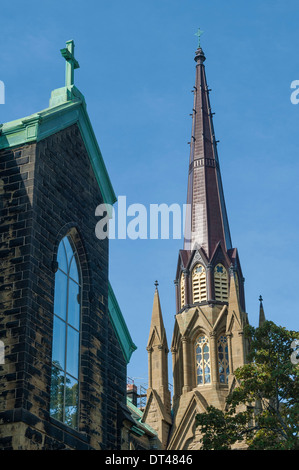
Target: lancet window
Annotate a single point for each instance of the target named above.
(221, 283)
(64, 402)
(203, 362)
(223, 359)
(199, 284)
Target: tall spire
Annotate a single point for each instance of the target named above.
(206, 219)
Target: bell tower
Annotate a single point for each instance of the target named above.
(208, 342)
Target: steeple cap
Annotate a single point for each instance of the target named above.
(199, 56)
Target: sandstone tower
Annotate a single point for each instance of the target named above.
(208, 342)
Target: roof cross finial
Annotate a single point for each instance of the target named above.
(199, 33)
(156, 284)
(71, 62)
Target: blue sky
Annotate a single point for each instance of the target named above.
(136, 73)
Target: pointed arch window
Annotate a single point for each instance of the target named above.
(199, 284)
(203, 363)
(182, 290)
(221, 283)
(64, 402)
(223, 359)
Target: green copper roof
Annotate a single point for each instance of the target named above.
(67, 107)
(138, 415)
(119, 325)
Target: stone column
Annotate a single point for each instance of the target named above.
(242, 347)
(187, 286)
(213, 357)
(186, 364)
(150, 369)
(177, 295)
(174, 365)
(230, 356)
(210, 290)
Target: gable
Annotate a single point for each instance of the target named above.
(67, 107)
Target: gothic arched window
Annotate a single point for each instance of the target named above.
(199, 284)
(64, 405)
(221, 283)
(223, 360)
(203, 364)
(182, 290)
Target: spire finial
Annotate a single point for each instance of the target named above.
(156, 284)
(260, 298)
(199, 34)
(71, 62)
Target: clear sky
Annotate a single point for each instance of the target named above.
(136, 73)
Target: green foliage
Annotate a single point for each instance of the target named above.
(263, 409)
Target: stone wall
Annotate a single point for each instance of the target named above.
(49, 190)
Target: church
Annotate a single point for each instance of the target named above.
(208, 343)
(63, 381)
(66, 344)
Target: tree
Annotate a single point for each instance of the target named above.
(263, 409)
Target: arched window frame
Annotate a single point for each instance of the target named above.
(223, 359)
(202, 360)
(65, 385)
(221, 283)
(199, 283)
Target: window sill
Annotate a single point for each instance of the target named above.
(69, 430)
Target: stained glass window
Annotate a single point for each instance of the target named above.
(64, 404)
(203, 365)
(199, 284)
(223, 360)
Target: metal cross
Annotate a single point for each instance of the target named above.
(156, 284)
(199, 33)
(71, 62)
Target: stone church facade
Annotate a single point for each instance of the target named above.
(208, 343)
(63, 381)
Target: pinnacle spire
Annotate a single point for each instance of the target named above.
(206, 219)
(157, 333)
(262, 317)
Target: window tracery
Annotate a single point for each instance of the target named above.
(223, 359)
(203, 362)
